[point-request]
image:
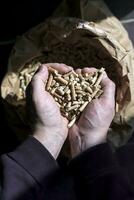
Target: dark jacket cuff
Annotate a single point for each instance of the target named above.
(35, 159)
(93, 161)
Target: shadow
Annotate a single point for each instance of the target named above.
(120, 8)
(125, 153)
(8, 140)
(22, 15)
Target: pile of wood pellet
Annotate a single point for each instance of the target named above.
(25, 77)
(72, 92)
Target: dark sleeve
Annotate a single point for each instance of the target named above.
(97, 175)
(26, 172)
(125, 156)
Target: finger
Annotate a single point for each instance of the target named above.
(60, 67)
(78, 71)
(39, 80)
(108, 87)
(88, 70)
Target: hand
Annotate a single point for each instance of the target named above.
(92, 127)
(49, 127)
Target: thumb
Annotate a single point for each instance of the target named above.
(40, 78)
(108, 88)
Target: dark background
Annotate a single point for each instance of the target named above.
(16, 17)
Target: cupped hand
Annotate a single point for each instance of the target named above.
(92, 127)
(49, 126)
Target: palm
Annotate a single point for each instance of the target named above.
(46, 111)
(92, 127)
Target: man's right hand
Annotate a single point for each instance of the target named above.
(92, 127)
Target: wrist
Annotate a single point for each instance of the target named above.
(88, 142)
(92, 137)
(83, 141)
(50, 140)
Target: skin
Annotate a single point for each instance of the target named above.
(50, 127)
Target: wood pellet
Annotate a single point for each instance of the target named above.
(73, 92)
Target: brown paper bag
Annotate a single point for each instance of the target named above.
(77, 43)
